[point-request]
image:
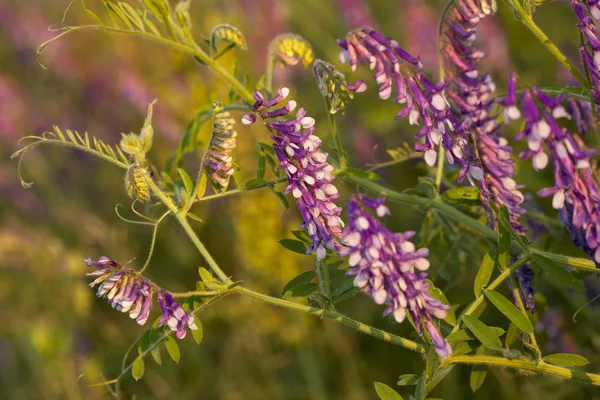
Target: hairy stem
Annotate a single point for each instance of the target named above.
(525, 365)
(243, 189)
(349, 322)
(527, 20)
(336, 137)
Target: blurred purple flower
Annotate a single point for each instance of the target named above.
(575, 192)
(384, 266)
(471, 95)
(590, 51)
(308, 172)
(356, 13)
(131, 293)
(420, 26)
(397, 69)
(524, 276)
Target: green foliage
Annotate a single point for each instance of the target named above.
(511, 312)
(484, 274)
(568, 360)
(486, 335)
(385, 392)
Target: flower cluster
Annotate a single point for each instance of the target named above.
(575, 191)
(131, 293)
(590, 51)
(308, 172)
(290, 49)
(524, 275)
(389, 268)
(218, 160)
(397, 69)
(581, 111)
(471, 95)
(333, 87)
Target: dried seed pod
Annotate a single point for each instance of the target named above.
(136, 183)
(218, 160)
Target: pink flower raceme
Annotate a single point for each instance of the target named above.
(575, 192)
(470, 93)
(395, 69)
(590, 51)
(132, 293)
(308, 172)
(389, 268)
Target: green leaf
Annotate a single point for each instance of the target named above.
(484, 274)
(420, 389)
(557, 273)
(252, 183)
(482, 332)
(408, 380)
(511, 335)
(294, 245)
(172, 349)
(261, 164)
(462, 195)
(567, 360)
(303, 290)
(478, 373)
(194, 217)
(205, 275)
(188, 184)
(437, 294)
(462, 335)
(346, 295)
(198, 334)
(464, 348)
(385, 392)
(280, 197)
(372, 176)
(305, 277)
(138, 368)
(156, 355)
(503, 246)
(202, 185)
(302, 235)
(437, 377)
(427, 186)
(511, 312)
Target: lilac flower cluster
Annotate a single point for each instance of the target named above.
(132, 293)
(590, 51)
(397, 69)
(575, 191)
(471, 95)
(308, 172)
(218, 160)
(388, 267)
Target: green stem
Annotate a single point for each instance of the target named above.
(575, 262)
(375, 167)
(324, 281)
(188, 230)
(151, 251)
(349, 322)
(269, 73)
(243, 189)
(336, 136)
(525, 365)
(202, 293)
(527, 20)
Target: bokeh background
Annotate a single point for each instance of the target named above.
(54, 328)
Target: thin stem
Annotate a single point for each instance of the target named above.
(269, 72)
(202, 293)
(375, 167)
(151, 251)
(243, 189)
(526, 365)
(527, 20)
(188, 230)
(336, 136)
(349, 322)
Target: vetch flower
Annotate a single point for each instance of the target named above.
(590, 50)
(308, 172)
(387, 266)
(397, 70)
(470, 93)
(218, 160)
(575, 192)
(129, 292)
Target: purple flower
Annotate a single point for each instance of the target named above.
(470, 93)
(129, 292)
(575, 192)
(175, 316)
(218, 160)
(397, 70)
(308, 172)
(590, 50)
(388, 267)
(524, 275)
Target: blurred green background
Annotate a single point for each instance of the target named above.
(55, 329)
